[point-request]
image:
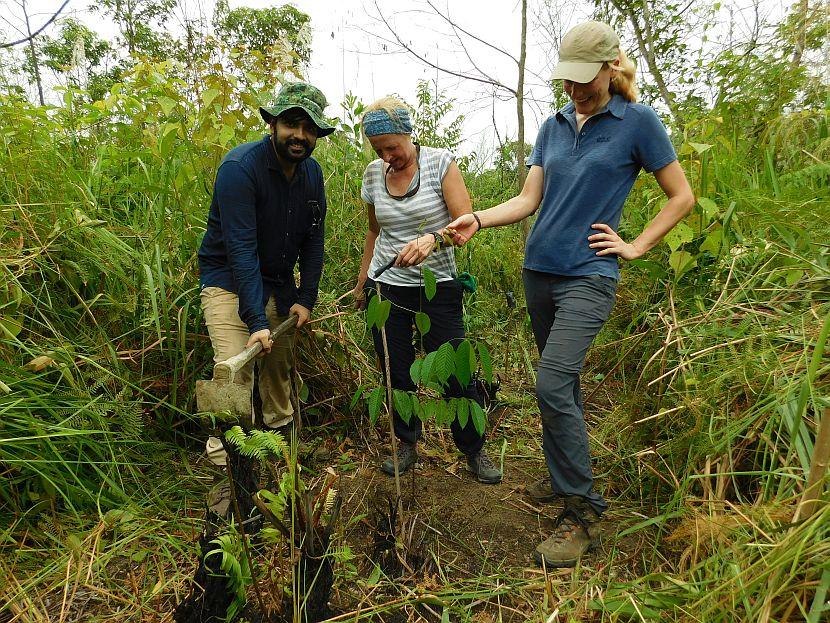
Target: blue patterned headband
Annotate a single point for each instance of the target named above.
(377, 122)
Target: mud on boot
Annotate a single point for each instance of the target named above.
(407, 457)
(541, 492)
(575, 532)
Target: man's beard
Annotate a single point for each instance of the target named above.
(285, 152)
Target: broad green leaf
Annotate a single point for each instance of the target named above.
(678, 236)
(375, 403)
(372, 311)
(384, 307)
(709, 207)
(478, 415)
(444, 365)
(167, 105)
(208, 97)
(681, 262)
(462, 413)
(168, 139)
(463, 363)
(427, 367)
(226, 133)
(415, 371)
(428, 409)
(713, 242)
(374, 577)
(794, 275)
(403, 404)
(654, 269)
(442, 412)
(430, 285)
(700, 147)
(355, 398)
(417, 408)
(695, 221)
(423, 323)
(486, 364)
(10, 326)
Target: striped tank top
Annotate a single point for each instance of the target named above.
(404, 220)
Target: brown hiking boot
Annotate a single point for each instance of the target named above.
(541, 492)
(577, 528)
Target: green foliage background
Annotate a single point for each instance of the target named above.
(714, 353)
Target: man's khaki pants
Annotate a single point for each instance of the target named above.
(228, 335)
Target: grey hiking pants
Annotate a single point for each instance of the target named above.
(566, 314)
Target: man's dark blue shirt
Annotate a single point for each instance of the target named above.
(259, 226)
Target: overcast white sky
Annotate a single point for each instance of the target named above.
(349, 53)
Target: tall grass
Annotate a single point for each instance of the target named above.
(716, 384)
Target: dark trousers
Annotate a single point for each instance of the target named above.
(446, 325)
(566, 314)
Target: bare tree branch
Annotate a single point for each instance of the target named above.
(471, 35)
(429, 63)
(38, 31)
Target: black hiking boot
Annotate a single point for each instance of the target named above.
(407, 457)
(483, 467)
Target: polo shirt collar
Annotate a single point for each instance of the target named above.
(617, 106)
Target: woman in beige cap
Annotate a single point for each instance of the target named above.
(585, 161)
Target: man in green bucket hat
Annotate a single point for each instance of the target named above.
(267, 216)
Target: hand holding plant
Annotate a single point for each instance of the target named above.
(462, 229)
(416, 251)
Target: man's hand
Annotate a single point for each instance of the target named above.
(303, 314)
(609, 242)
(263, 336)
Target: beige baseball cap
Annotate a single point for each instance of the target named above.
(583, 51)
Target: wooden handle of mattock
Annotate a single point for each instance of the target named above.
(226, 370)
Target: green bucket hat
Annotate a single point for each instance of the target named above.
(300, 95)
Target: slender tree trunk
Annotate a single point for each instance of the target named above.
(33, 52)
(645, 42)
(814, 489)
(520, 114)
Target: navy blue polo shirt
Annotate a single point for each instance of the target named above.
(259, 226)
(587, 178)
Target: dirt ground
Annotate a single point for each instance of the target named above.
(460, 547)
(453, 529)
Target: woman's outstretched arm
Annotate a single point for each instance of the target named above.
(511, 211)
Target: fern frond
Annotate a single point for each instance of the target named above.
(331, 496)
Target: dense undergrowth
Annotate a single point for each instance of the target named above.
(714, 359)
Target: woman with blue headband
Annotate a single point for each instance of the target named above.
(412, 193)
